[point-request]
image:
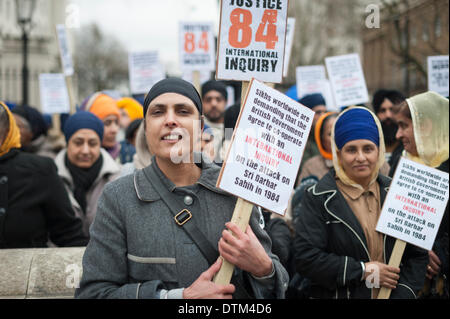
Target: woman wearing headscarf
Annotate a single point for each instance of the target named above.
(140, 246)
(84, 166)
(336, 245)
(106, 109)
(34, 206)
(423, 129)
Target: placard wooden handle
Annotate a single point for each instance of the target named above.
(196, 80)
(396, 257)
(241, 217)
(72, 102)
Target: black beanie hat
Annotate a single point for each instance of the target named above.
(173, 85)
(216, 86)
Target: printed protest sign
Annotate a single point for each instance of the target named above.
(347, 80)
(415, 204)
(66, 59)
(438, 74)
(266, 148)
(196, 46)
(252, 40)
(53, 93)
(289, 41)
(312, 79)
(144, 70)
(309, 79)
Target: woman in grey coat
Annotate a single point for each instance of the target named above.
(137, 250)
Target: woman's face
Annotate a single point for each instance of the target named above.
(326, 135)
(405, 133)
(83, 148)
(359, 158)
(173, 127)
(111, 125)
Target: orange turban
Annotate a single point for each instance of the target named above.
(133, 108)
(318, 138)
(102, 105)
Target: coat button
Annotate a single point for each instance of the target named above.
(3, 180)
(188, 200)
(2, 211)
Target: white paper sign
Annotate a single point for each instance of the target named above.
(309, 79)
(415, 204)
(312, 79)
(266, 148)
(252, 39)
(196, 46)
(347, 80)
(438, 74)
(144, 70)
(289, 41)
(64, 52)
(53, 93)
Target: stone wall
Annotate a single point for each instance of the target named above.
(40, 273)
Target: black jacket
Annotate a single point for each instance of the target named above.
(330, 244)
(34, 205)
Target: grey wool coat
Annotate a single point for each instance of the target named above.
(136, 249)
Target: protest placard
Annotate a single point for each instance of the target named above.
(251, 40)
(413, 209)
(144, 70)
(347, 80)
(66, 58)
(53, 93)
(196, 46)
(438, 74)
(266, 148)
(312, 79)
(415, 204)
(290, 30)
(309, 79)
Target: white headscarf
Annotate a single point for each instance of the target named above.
(429, 114)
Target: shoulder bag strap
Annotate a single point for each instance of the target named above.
(183, 217)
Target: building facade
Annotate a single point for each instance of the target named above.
(395, 54)
(43, 54)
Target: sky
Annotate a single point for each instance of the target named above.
(143, 25)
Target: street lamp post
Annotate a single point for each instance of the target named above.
(24, 10)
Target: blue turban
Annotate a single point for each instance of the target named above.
(81, 120)
(312, 100)
(356, 124)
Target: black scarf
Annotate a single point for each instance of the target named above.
(83, 178)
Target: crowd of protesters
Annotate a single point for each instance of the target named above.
(106, 180)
